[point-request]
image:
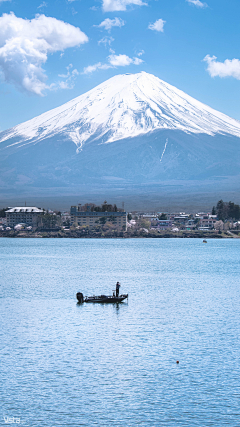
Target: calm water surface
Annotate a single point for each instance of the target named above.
(63, 364)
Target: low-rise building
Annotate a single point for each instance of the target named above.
(190, 225)
(65, 217)
(23, 215)
(161, 224)
(207, 222)
(181, 218)
(149, 217)
(85, 216)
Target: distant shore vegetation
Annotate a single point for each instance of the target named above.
(107, 231)
(223, 222)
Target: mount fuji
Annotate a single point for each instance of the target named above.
(132, 134)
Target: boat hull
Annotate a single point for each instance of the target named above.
(105, 299)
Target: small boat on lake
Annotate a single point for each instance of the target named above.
(106, 299)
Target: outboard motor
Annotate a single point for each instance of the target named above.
(79, 297)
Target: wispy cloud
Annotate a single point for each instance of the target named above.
(116, 5)
(91, 68)
(157, 25)
(228, 68)
(107, 24)
(69, 78)
(141, 53)
(43, 4)
(197, 3)
(106, 41)
(74, 12)
(26, 44)
(113, 62)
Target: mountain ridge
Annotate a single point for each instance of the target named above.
(125, 106)
(138, 138)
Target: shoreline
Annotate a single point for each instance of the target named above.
(116, 235)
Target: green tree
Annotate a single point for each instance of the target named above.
(222, 210)
(3, 212)
(105, 208)
(143, 223)
(163, 216)
(228, 210)
(47, 220)
(233, 211)
(214, 212)
(112, 218)
(102, 220)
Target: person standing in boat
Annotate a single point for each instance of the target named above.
(117, 289)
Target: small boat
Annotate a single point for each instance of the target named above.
(204, 241)
(101, 298)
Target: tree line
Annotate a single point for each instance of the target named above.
(226, 210)
(104, 208)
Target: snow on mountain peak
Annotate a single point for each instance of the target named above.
(125, 106)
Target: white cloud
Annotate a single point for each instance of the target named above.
(140, 53)
(107, 24)
(137, 61)
(25, 46)
(113, 61)
(123, 60)
(197, 3)
(157, 26)
(115, 5)
(106, 41)
(228, 68)
(70, 77)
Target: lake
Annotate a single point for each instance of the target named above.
(64, 364)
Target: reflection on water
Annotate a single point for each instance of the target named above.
(69, 364)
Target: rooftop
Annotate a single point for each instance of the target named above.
(24, 209)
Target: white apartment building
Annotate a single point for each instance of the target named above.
(23, 215)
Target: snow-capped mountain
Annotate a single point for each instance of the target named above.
(125, 106)
(133, 134)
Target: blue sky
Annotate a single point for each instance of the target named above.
(53, 51)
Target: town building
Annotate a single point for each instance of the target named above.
(23, 215)
(181, 218)
(161, 224)
(65, 217)
(86, 216)
(149, 217)
(190, 225)
(206, 221)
